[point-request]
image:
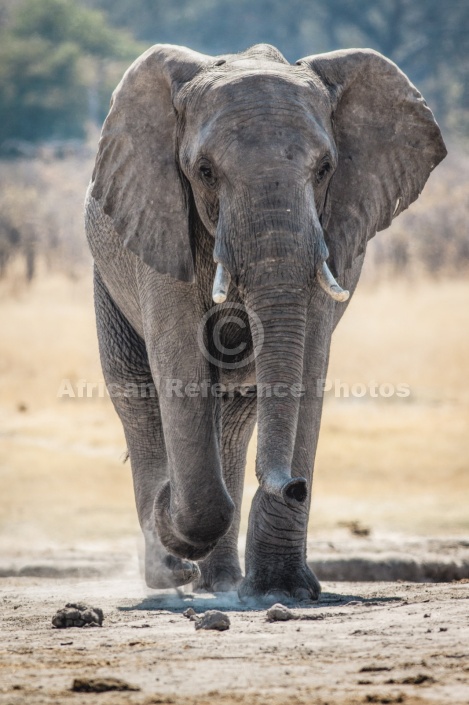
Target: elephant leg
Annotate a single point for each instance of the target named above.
(277, 534)
(221, 570)
(130, 384)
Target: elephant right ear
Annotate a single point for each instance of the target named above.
(136, 176)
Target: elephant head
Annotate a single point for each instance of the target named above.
(290, 168)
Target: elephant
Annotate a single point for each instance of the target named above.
(228, 215)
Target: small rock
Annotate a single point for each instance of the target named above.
(279, 613)
(78, 615)
(190, 612)
(213, 619)
(101, 685)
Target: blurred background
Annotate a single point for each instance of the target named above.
(387, 462)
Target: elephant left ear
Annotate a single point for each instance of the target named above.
(388, 143)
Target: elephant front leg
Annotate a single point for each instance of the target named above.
(145, 441)
(276, 541)
(129, 381)
(192, 509)
(276, 552)
(277, 535)
(221, 571)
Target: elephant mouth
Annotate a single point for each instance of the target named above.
(324, 277)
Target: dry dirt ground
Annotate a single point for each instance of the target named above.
(362, 643)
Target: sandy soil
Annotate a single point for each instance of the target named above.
(362, 643)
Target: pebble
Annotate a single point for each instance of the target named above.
(279, 613)
(213, 619)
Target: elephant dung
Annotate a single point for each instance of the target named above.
(213, 619)
(77, 614)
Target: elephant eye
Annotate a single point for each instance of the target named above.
(206, 174)
(324, 169)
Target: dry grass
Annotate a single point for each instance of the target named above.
(396, 465)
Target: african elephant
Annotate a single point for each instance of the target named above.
(229, 198)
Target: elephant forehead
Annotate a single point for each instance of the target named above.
(241, 86)
(255, 106)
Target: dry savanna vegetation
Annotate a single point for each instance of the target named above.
(393, 462)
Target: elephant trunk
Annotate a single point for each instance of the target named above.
(278, 322)
(272, 244)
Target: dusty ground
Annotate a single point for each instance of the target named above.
(362, 643)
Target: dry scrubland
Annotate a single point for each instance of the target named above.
(396, 464)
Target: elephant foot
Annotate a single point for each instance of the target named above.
(169, 572)
(293, 584)
(218, 575)
(164, 570)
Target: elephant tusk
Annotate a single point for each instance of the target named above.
(327, 282)
(221, 284)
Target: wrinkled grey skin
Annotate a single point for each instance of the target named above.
(268, 168)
